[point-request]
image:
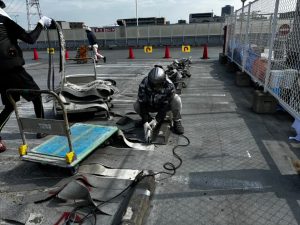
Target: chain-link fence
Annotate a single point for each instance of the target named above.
(263, 40)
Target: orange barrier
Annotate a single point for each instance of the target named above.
(35, 54)
(131, 55)
(167, 53)
(205, 52)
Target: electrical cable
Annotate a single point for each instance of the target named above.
(170, 166)
(167, 166)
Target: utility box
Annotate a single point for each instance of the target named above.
(222, 58)
(264, 102)
(242, 79)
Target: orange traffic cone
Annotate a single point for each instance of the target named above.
(66, 55)
(205, 52)
(131, 55)
(167, 53)
(35, 54)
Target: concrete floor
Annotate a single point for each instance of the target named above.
(236, 170)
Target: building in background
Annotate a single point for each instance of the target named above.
(227, 10)
(142, 21)
(67, 25)
(219, 18)
(181, 21)
(201, 17)
(64, 25)
(76, 25)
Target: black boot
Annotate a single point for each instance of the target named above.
(177, 127)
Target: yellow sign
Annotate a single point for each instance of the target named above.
(50, 50)
(148, 49)
(186, 48)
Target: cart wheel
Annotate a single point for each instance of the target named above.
(73, 170)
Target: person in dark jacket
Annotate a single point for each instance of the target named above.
(13, 74)
(93, 43)
(156, 94)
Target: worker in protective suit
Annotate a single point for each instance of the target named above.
(157, 94)
(93, 43)
(13, 75)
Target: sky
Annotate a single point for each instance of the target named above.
(106, 12)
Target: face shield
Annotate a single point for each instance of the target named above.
(157, 78)
(157, 87)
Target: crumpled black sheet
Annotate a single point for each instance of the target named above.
(134, 131)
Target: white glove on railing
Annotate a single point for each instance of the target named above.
(45, 21)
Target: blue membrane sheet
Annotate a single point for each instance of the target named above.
(84, 137)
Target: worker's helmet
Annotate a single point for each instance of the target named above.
(86, 27)
(2, 4)
(157, 77)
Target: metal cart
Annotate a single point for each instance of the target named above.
(68, 146)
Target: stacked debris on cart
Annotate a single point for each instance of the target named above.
(94, 96)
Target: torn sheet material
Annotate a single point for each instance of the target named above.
(74, 190)
(136, 146)
(100, 170)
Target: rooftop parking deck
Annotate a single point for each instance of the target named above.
(237, 169)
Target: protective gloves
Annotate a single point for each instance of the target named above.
(153, 124)
(147, 132)
(45, 21)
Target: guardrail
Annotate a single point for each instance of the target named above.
(263, 39)
(156, 35)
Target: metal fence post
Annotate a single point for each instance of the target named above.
(221, 31)
(74, 40)
(137, 35)
(195, 39)
(246, 39)
(171, 35)
(208, 31)
(159, 35)
(183, 31)
(104, 30)
(126, 35)
(115, 34)
(270, 28)
(225, 39)
(274, 25)
(235, 19)
(148, 32)
(242, 20)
